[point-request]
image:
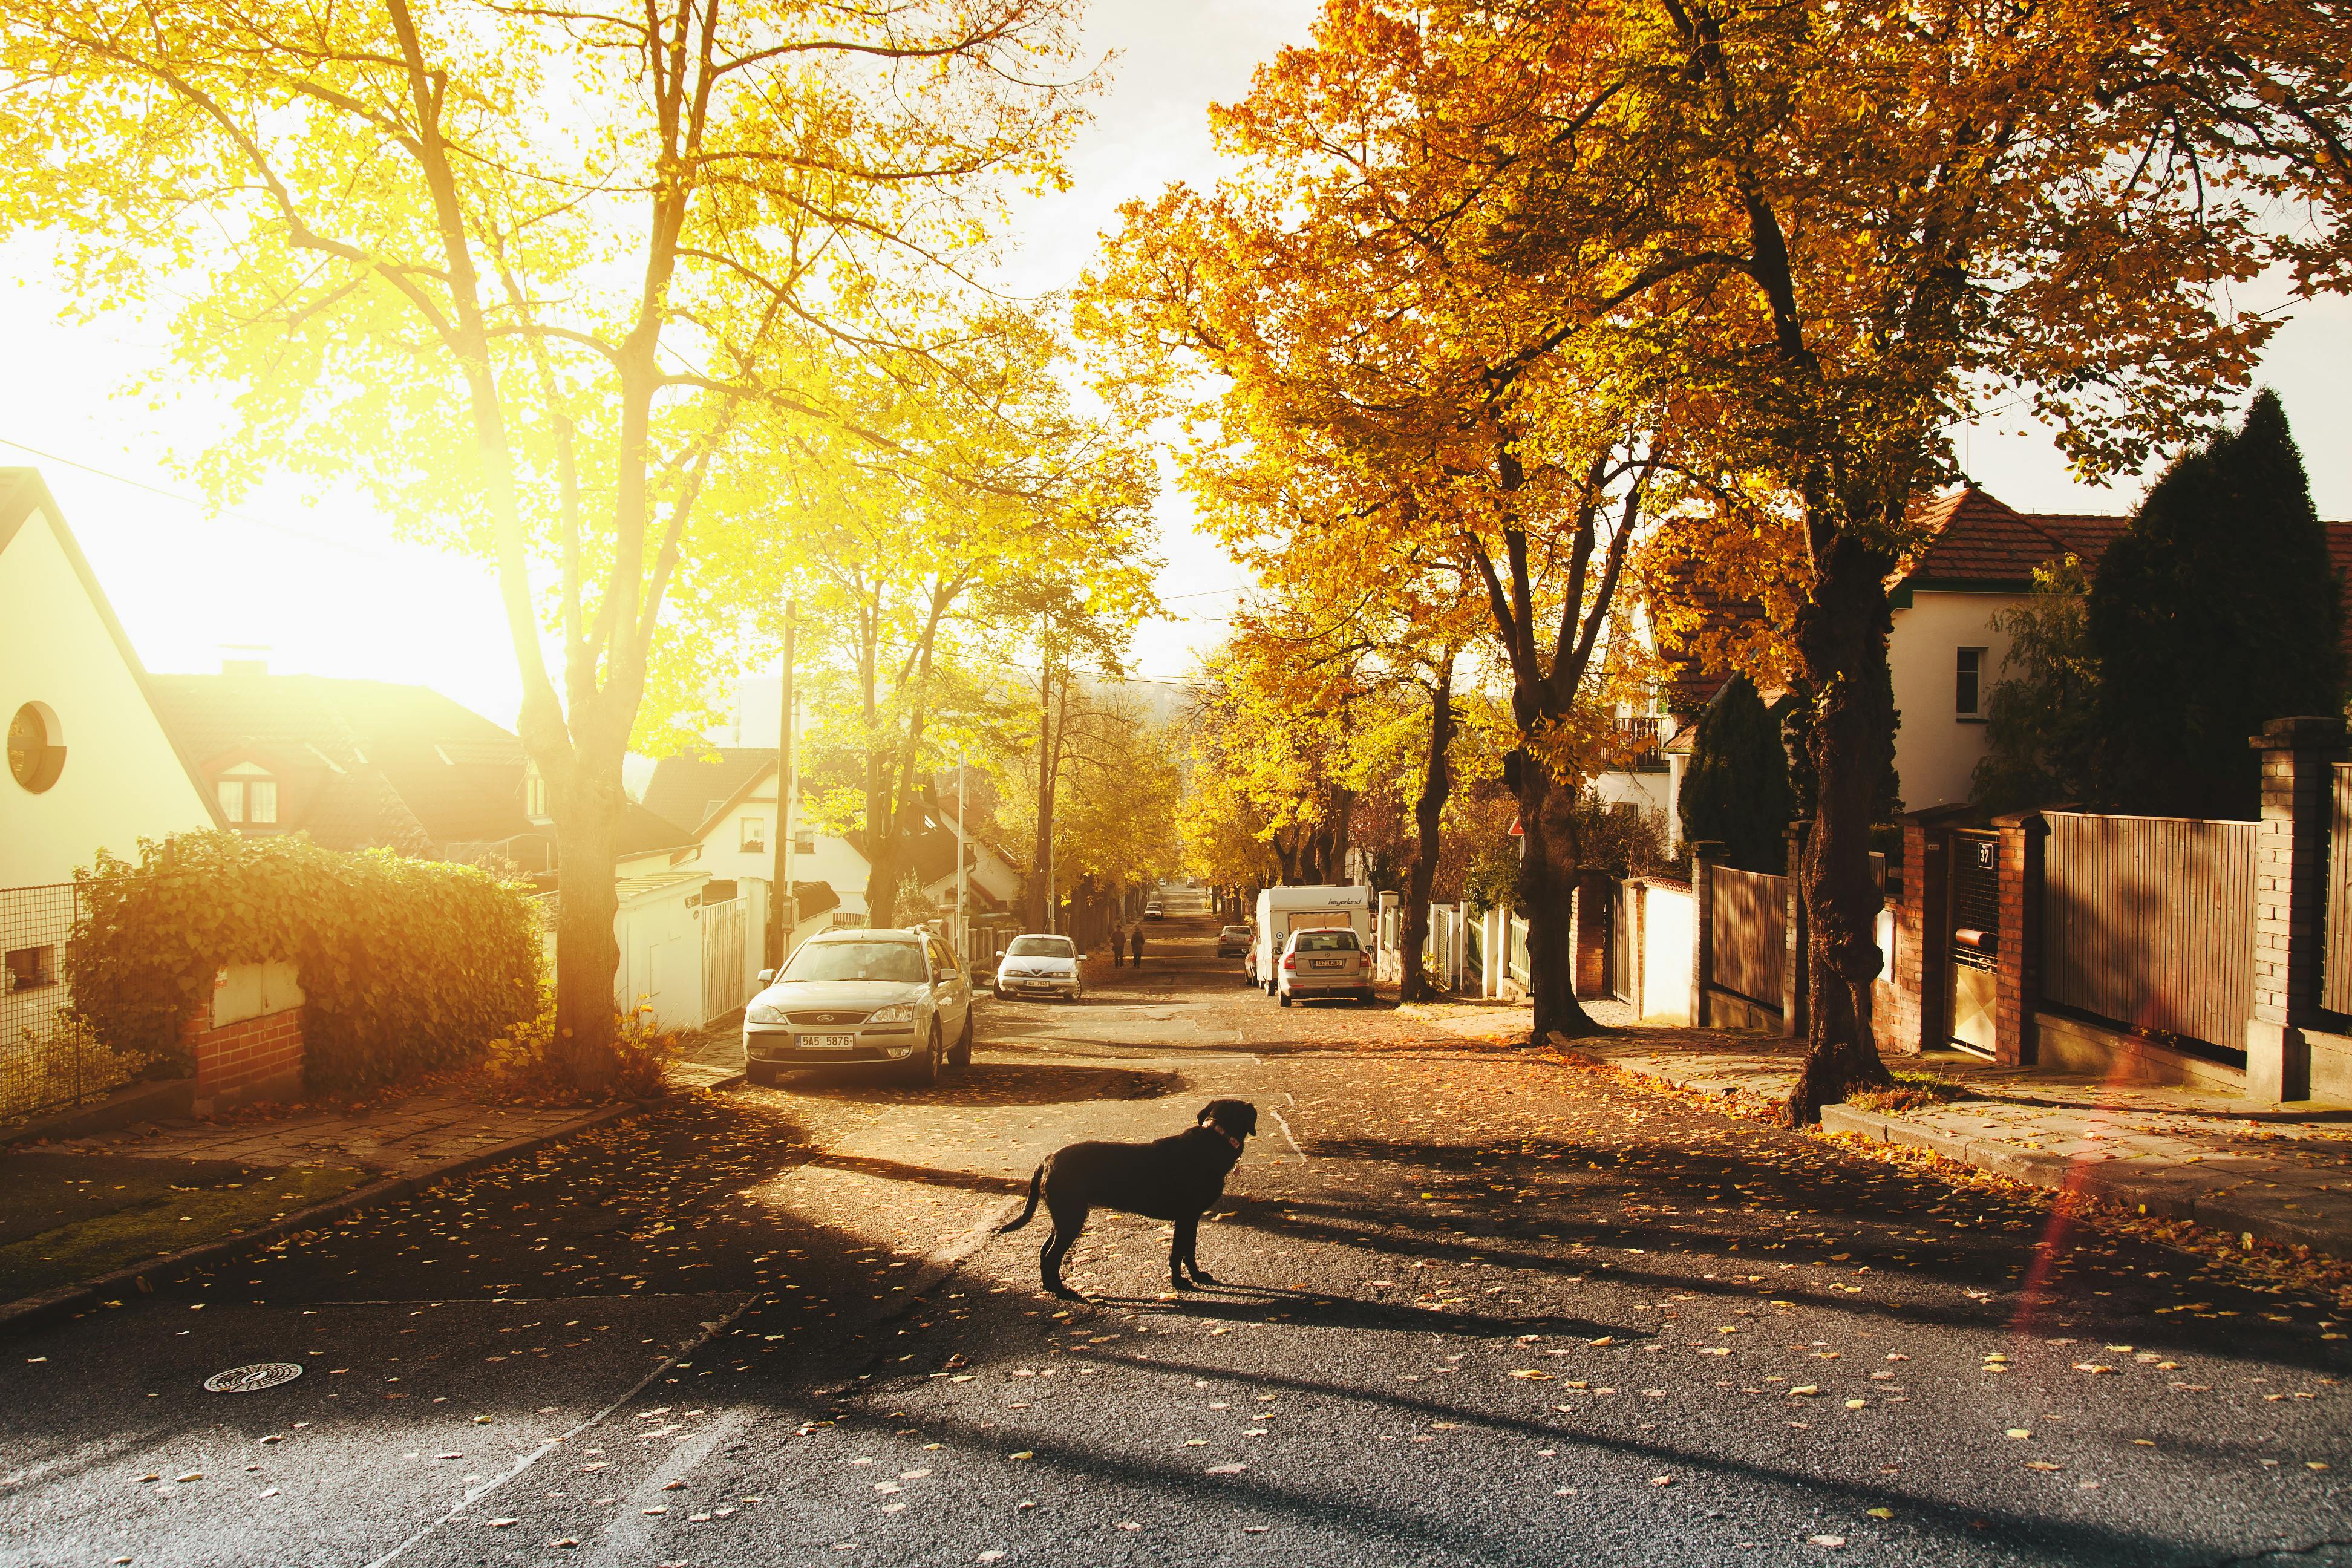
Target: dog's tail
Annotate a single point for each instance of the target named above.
(1036, 1179)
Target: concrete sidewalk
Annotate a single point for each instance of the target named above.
(2174, 1153)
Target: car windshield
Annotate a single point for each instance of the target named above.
(1326, 941)
(1040, 947)
(897, 962)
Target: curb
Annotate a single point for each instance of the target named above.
(2164, 1197)
(28, 1312)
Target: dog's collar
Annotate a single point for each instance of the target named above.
(1226, 1136)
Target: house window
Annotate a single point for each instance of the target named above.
(1970, 697)
(755, 835)
(534, 791)
(805, 843)
(32, 967)
(36, 754)
(248, 795)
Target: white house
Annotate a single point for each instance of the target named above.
(90, 764)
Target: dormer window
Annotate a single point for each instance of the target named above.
(248, 795)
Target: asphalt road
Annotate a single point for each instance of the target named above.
(1479, 1308)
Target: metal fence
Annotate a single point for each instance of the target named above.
(2150, 921)
(1748, 932)
(2335, 971)
(45, 1064)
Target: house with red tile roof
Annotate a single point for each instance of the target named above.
(1977, 559)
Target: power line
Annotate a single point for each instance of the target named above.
(331, 543)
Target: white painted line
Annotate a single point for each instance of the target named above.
(1287, 1133)
(525, 1461)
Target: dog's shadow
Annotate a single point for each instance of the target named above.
(1312, 1308)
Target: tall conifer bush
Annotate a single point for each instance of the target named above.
(2216, 611)
(1737, 791)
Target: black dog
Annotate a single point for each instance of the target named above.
(1177, 1179)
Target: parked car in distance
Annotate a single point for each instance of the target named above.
(1152, 911)
(1232, 941)
(893, 997)
(1326, 962)
(1040, 965)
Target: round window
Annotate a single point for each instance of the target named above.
(36, 752)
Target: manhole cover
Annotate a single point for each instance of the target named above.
(252, 1379)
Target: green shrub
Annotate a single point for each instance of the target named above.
(522, 1066)
(406, 966)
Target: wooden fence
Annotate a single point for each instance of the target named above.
(2336, 964)
(2150, 921)
(1747, 932)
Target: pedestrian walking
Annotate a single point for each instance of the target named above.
(1135, 946)
(1117, 940)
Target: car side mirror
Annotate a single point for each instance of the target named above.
(1082, 958)
(766, 975)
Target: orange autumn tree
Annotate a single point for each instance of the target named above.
(1908, 211)
(1820, 237)
(1359, 286)
(1355, 585)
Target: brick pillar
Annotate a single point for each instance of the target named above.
(1796, 951)
(2290, 903)
(1924, 945)
(1703, 855)
(2017, 960)
(1592, 903)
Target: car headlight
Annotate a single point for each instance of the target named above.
(760, 1012)
(902, 1014)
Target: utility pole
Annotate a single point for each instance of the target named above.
(787, 911)
(963, 867)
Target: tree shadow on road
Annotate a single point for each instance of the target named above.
(987, 1083)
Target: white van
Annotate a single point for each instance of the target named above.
(1281, 910)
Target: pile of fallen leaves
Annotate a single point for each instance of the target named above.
(521, 1067)
(1910, 1092)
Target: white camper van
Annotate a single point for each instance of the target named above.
(1281, 910)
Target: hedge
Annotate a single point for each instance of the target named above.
(406, 966)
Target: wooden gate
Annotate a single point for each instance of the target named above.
(2335, 971)
(1975, 925)
(2150, 921)
(1747, 932)
(723, 938)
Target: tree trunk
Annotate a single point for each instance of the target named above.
(1546, 885)
(1841, 636)
(587, 815)
(1437, 784)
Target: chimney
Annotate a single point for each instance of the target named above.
(245, 658)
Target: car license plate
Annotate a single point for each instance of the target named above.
(828, 1042)
(1327, 962)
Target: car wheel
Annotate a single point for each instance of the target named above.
(923, 1068)
(1283, 997)
(959, 1054)
(1365, 996)
(767, 1078)
(998, 990)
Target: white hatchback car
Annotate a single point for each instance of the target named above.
(1329, 962)
(861, 995)
(1040, 965)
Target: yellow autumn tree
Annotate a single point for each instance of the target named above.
(537, 277)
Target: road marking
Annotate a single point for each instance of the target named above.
(1287, 1133)
(476, 1494)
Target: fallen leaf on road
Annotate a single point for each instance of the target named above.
(1026, 1454)
(1603, 1340)
(1806, 1389)
(2043, 1465)
(2020, 1432)
(1662, 1480)
(504, 1524)
(191, 1476)
(1226, 1469)
(1532, 1375)
(1832, 1541)
(1880, 1513)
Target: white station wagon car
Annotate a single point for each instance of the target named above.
(897, 996)
(1040, 965)
(1330, 962)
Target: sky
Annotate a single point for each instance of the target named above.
(322, 583)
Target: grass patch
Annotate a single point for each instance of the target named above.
(66, 1217)
(1911, 1091)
